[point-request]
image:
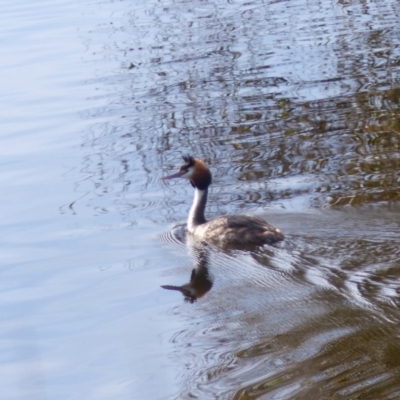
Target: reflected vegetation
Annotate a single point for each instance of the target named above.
(295, 107)
(319, 315)
(311, 118)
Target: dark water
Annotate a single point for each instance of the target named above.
(295, 107)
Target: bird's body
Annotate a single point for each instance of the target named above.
(237, 230)
(227, 229)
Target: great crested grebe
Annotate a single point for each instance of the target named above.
(227, 229)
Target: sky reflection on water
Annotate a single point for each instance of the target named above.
(294, 106)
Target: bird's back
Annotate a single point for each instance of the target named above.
(238, 229)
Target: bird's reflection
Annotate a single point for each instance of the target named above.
(200, 282)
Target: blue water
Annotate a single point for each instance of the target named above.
(77, 322)
(99, 100)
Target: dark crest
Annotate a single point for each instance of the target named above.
(189, 161)
(203, 178)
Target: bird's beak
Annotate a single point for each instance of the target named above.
(173, 176)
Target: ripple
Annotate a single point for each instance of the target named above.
(309, 309)
(175, 238)
(304, 114)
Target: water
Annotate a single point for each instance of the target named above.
(293, 105)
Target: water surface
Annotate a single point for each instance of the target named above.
(294, 105)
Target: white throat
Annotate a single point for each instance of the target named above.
(196, 214)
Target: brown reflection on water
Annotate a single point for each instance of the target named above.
(316, 318)
(362, 363)
(293, 104)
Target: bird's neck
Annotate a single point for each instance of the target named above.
(196, 215)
